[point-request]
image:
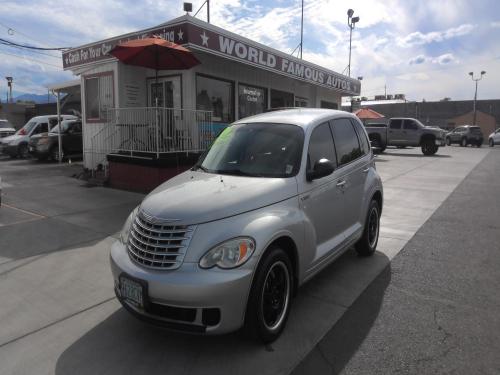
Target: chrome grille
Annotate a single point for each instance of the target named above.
(159, 245)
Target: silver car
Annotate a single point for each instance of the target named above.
(276, 198)
(494, 138)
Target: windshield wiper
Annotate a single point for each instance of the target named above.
(199, 166)
(237, 172)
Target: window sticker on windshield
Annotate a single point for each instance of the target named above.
(224, 136)
(289, 169)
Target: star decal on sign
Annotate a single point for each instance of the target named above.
(180, 34)
(204, 39)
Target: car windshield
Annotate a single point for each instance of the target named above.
(258, 150)
(26, 128)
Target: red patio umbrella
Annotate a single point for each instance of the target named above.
(155, 53)
(368, 114)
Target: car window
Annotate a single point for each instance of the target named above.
(395, 124)
(42, 127)
(346, 141)
(410, 125)
(363, 140)
(320, 146)
(53, 122)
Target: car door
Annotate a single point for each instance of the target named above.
(353, 166)
(496, 137)
(321, 199)
(73, 138)
(395, 134)
(411, 133)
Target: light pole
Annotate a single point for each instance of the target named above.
(351, 22)
(9, 84)
(475, 93)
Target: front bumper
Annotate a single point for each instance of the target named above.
(189, 298)
(39, 151)
(440, 142)
(8, 149)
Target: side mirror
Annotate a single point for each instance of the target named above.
(322, 168)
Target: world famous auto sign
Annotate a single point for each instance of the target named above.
(215, 41)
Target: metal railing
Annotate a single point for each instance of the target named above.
(151, 131)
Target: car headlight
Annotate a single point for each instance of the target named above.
(229, 254)
(128, 224)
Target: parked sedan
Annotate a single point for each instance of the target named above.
(46, 145)
(494, 138)
(465, 135)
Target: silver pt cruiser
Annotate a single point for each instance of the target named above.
(276, 198)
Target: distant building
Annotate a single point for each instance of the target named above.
(486, 122)
(434, 113)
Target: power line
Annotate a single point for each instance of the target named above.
(9, 42)
(30, 51)
(11, 31)
(31, 59)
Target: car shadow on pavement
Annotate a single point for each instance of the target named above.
(418, 155)
(120, 344)
(340, 344)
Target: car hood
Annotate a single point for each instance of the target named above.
(13, 138)
(195, 197)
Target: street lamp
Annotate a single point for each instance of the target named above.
(9, 84)
(351, 22)
(475, 94)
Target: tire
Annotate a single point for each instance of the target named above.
(22, 151)
(463, 142)
(401, 146)
(54, 153)
(270, 298)
(429, 147)
(367, 244)
(479, 144)
(448, 141)
(491, 142)
(382, 149)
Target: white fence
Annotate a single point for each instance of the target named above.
(148, 132)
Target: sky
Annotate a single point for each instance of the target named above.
(422, 48)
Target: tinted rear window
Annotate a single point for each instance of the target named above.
(396, 124)
(475, 129)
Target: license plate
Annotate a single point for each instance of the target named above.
(132, 291)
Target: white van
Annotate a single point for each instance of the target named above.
(17, 145)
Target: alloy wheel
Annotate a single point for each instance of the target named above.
(275, 295)
(373, 227)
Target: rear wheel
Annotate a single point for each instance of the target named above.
(270, 298)
(491, 142)
(479, 144)
(22, 151)
(448, 141)
(54, 153)
(368, 242)
(429, 147)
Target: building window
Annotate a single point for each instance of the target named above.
(98, 96)
(251, 100)
(281, 99)
(217, 96)
(301, 102)
(329, 105)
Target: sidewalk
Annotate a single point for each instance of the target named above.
(436, 308)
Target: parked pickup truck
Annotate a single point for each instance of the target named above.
(403, 132)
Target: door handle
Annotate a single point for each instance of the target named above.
(341, 183)
(366, 170)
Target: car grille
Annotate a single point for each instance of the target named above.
(158, 244)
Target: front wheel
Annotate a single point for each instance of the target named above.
(429, 147)
(22, 151)
(479, 144)
(448, 141)
(368, 242)
(491, 142)
(270, 298)
(463, 142)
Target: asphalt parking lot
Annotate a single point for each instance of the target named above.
(58, 313)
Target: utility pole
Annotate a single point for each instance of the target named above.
(301, 29)
(208, 11)
(476, 80)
